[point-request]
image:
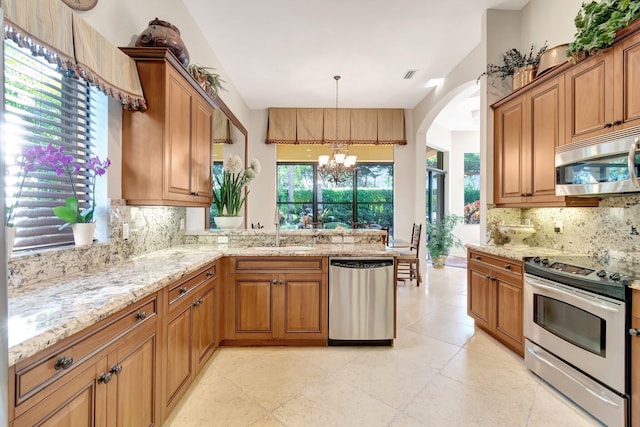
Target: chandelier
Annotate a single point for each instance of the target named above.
(339, 166)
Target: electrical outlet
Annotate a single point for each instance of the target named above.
(181, 223)
(559, 227)
(348, 239)
(223, 239)
(336, 239)
(125, 231)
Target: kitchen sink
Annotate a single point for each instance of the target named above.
(283, 248)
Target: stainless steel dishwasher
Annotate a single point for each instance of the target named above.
(361, 301)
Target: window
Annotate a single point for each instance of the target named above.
(434, 185)
(303, 198)
(44, 106)
(471, 188)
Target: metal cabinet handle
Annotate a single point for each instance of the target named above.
(478, 257)
(141, 315)
(634, 332)
(105, 378)
(63, 362)
(116, 369)
(607, 125)
(197, 302)
(274, 282)
(617, 123)
(209, 274)
(631, 162)
(183, 290)
(507, 267)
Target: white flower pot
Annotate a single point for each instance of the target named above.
(228, 222)
(83, 233)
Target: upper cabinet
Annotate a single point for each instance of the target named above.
(166, 150)
(603, 92)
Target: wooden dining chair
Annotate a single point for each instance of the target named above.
(408, 260)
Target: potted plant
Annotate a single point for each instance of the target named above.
(517, 65)
(208, 80)
(598, 22)
(228, 197)
(440, 238)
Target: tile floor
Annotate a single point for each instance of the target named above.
(440, 372)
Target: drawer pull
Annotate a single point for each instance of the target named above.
(141, 315)
(63, 362)
(116, 369)
(197, 302)
(210, 274)
(617, 123)
(105, 378)
(184, 290)
(478, 257)
(507, 267)
(634, 332)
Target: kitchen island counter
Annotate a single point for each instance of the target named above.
(42, 314)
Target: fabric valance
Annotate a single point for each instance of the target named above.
(318, 126)
(221, 128)
(51, 29)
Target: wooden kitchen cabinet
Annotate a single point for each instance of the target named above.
(191, 331)
(278, 299)
(635, 357)
(495, 297)
(103, 376)
(603, 91)
(527, 130)
(167, 149)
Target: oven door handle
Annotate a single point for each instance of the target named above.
(586, 299)
(632, 164)
(542, 359)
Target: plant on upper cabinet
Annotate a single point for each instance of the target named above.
(440, 238)
(228, 195)
(208, 80)
(598, 22)
(512, 61)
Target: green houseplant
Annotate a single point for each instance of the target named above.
(515, 62)
(598, 22)
(210, 81)
(228, 190)
(440, 238)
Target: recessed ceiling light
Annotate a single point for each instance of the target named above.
(434, 82)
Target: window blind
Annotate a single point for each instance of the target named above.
(43, 106)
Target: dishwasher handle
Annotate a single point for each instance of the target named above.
(361, 264)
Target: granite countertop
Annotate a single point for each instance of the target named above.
(518, 253)
(42, 314)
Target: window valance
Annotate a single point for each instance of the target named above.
(51, 29)
(318, 126)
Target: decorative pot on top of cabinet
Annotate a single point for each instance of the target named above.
(166, 150)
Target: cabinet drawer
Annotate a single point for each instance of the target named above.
(184, 287)
(32, 375)
(278, 264)
(500, 263)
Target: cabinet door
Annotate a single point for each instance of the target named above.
(79, 402)
(252, 306)
(510, 143)
(179, 366)
(177, 167)
(302, 312)
(546, 112)
(589, 98)
(627, 84)
(134, 367)
(204, 324)
(201, 152)
(509, 300)
(480, 296)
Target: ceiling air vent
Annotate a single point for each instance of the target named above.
(409, 74)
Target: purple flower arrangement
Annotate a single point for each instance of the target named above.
(53, 158)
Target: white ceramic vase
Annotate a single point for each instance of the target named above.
(11, 237)
(228, 222)
(83, 233)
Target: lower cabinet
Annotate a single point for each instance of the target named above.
(105, 376)
(495, 297)
(635, 356)
(278, 298)
(191, 327)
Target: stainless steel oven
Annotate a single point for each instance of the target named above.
(575, 325)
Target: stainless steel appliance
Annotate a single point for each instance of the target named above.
(609, 167)
(575, 325)
(361, 301)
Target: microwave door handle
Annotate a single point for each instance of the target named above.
(632, 164)
(537, 284)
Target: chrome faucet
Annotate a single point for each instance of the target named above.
(276, 221)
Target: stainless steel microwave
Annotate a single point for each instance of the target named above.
(611, 167)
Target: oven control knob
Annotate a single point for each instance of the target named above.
(537, 260)
(615, 277)
(545, 262)
(601, 274)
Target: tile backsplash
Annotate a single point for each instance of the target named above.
(151, 229)
(613, 228)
